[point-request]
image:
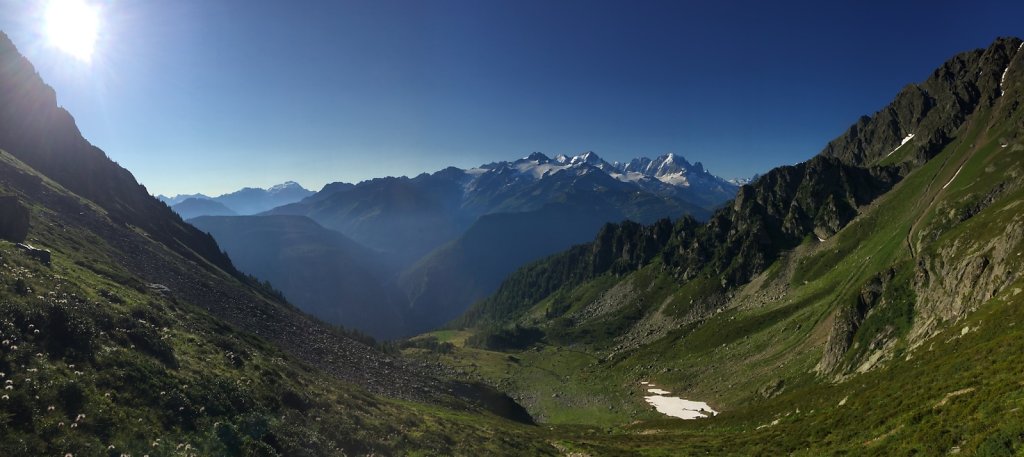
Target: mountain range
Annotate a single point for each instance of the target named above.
(246, 201)
(446, 239)
(126, 330)
(867, 301)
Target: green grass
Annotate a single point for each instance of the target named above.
(948, 392)
(96, 359)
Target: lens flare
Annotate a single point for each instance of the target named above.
(72, 26)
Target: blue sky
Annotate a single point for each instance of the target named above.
(202, 96)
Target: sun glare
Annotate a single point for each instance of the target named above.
(72, 26)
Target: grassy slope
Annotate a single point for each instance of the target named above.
(728, 358)
(97, 363)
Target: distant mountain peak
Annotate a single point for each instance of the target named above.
(538, 157)
(285, 186)
(588, 158)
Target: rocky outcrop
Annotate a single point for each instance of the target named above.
(41, 255)
(848, 319)
(775, 214)
(961, 275)
(13, 219)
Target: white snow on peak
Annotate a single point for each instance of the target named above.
(586, 157)
(283, 186)
(561, 158)
(629, 176)
(906, 140)
(538, 170)
(675, 179)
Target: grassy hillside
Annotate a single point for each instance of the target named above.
(98, 360)
(896, 333)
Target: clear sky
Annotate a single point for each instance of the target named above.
(210, 96)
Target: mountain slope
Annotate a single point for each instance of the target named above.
(125, 330)
(44, 136)
(863, 302)
(321, 271)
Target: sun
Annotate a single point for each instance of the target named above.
(72, 26)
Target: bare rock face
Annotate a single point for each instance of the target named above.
(950, 285)
(13, 219)
(848, 319)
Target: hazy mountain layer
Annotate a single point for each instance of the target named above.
(250, 200)
(439, 228)
(327, 274)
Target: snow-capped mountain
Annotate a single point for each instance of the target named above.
(669, 175)
(670, 169)
(452, 235)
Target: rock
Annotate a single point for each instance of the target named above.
(773, 389)
(41, 255)
(13, 219)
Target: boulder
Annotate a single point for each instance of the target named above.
(41, 255)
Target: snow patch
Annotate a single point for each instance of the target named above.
(629, 176)
(954, 176)
(538, 170)
(906, 139)
(1002, 80)
(678, 407)
(658, 391)
(675, 179)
